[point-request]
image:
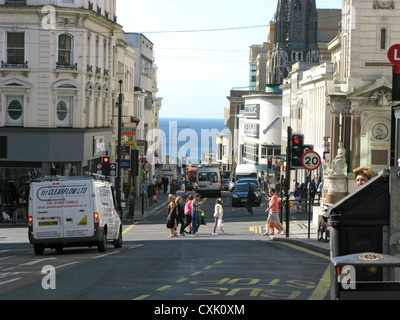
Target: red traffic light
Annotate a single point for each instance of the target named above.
(106, 160)
(296, 141)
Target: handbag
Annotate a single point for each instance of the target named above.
(220, 223)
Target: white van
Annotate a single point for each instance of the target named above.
(245, 171)
(74, 211)
(208, 181)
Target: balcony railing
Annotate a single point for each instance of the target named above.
(67, 66)
(14, 65)
(15, 2)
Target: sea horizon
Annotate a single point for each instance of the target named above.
(191, 137)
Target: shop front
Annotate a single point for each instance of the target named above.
(27, 154)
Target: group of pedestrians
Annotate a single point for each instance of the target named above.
(188, 215)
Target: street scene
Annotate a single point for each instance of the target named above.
(239, 265)
(199, 158)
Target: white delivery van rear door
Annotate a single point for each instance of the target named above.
(77, 209)
(62, 209)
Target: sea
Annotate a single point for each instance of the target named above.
(191, 138)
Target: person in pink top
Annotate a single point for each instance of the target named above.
(188, 213)
(273, 216)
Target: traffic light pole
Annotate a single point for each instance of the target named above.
(288, 168)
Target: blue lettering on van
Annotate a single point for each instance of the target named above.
(45, 194)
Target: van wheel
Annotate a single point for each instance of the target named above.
(38, 249)
(102, 245)
(118, 242)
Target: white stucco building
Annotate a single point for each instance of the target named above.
(61, 62)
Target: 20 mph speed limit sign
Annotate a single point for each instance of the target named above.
(311, 160)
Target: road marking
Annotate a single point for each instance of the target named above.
(163, 288)
(323, 286)
(31, 263)
(7, 257)
(142, 297)
(305, 250)
(67, 264)
(208, 268)
(8, 281)
(136, 246)
(107, 254)
(181, 280)
(129, 228)
(196, 273)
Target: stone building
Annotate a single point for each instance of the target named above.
(59, 84)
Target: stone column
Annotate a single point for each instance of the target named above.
(355, 140)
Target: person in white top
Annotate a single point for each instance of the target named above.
(218, 214)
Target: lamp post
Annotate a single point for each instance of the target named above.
(118, 177)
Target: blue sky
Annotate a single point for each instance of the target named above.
(197, 70)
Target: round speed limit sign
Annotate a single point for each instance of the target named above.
(311, 160)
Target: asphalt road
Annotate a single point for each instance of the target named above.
(241, 265)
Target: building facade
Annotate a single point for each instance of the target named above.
(59, 84)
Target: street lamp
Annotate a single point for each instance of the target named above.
(118, 177)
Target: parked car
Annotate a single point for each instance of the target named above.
(250, 180)
(240, 193)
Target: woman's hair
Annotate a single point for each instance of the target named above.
(171, 196)
(190, 197)
(365, 171)
(218, 201)
(177, 199)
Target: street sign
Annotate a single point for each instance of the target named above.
(146, 166)
(311, 160)
(394, 54)
(113, 169)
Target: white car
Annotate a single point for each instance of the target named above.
(69, 212)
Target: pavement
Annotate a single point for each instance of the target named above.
(298, 229)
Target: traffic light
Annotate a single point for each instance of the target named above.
(105, 161)
(296, 149)
(184, 161)
(269, 163)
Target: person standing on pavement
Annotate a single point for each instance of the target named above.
(171, 219)
(218, 214)
(273, 215)
(188, 212)
(196, 212)
(180, 214)
(250, 198)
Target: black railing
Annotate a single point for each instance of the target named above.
(67, 66)
(15, 2)
(14, 65)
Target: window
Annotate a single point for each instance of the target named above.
(147, 68)
(15, 48)
(383, 39)
(15, 110)
(64, 111)
(65, 50)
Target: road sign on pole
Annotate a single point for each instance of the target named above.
(146, 166)
(311, 160)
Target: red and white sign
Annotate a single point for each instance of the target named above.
(311, 160)
(146, 167)
(394, 54)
